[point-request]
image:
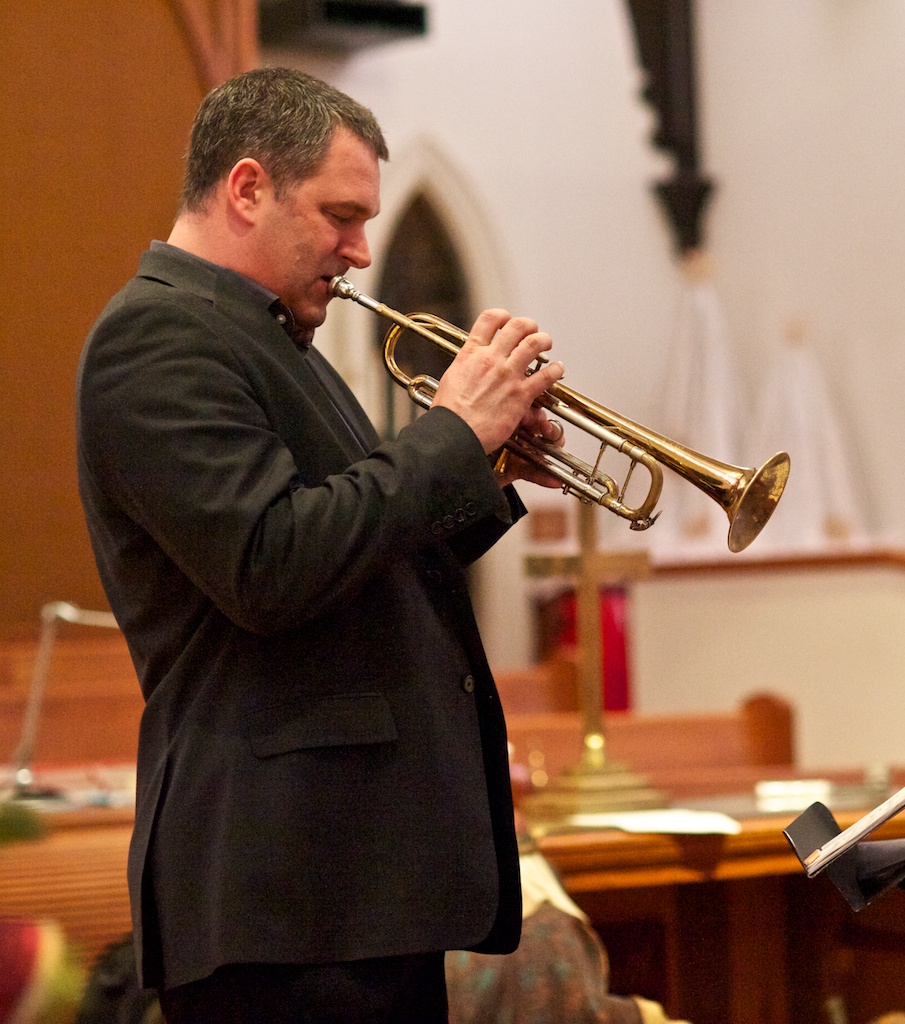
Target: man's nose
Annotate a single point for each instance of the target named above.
(356, 252)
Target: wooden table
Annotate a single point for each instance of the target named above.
(721, 929)
(727, 929)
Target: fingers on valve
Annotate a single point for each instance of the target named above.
(553, 431)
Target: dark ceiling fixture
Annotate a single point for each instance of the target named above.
(338, 25)
(664, 33)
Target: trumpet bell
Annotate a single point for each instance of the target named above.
(755, 501)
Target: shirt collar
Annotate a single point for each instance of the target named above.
(256, 291)
(301, 338)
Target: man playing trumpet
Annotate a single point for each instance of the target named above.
(323, 801)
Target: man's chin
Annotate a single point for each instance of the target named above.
(313, 317)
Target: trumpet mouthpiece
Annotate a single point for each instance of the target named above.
(342, 288)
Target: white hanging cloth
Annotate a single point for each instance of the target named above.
(701, 409)
(821, 507)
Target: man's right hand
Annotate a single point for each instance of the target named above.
(488, 383)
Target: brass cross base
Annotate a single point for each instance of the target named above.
(593, 786)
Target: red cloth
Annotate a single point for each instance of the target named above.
(20, 944)
(614, 629)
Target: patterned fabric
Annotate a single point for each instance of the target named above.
(558, 975)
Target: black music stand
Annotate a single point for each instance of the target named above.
(862, 873)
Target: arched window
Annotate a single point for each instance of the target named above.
(422, 273)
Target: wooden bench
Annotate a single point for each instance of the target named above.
(685, 754)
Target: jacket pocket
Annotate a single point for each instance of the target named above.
(349, 720)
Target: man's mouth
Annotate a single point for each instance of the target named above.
(328, 280)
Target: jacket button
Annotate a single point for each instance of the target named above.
(468, 683)
(449, 522)
(437, 528)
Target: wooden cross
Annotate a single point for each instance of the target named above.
(594, 784)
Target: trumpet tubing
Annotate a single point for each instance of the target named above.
(748, 496)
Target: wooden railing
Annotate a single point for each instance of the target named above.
(91, 705)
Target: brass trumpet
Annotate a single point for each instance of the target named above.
(748, 496)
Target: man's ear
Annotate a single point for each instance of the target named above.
(245, 187)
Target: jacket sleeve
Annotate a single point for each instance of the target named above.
(470, 544)
(181, 430)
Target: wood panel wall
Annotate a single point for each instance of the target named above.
(97, 100)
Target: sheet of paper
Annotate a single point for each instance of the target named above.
(672, 820)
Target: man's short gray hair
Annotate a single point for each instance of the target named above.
(282, 118)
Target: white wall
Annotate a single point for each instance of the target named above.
(830, 640)
(533, 112)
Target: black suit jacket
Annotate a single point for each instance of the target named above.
(322, 764)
